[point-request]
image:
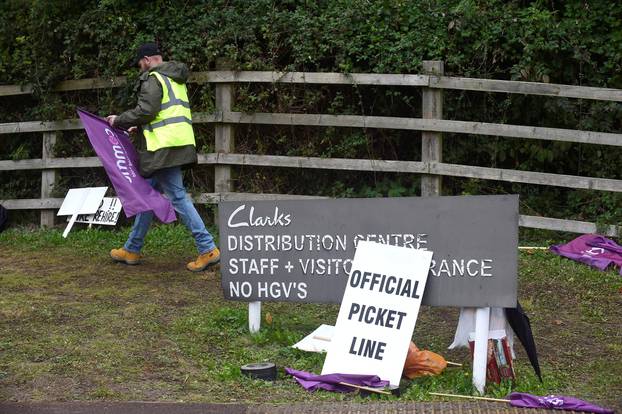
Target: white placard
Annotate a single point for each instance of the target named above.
(107, 213)
(80, 201)
(378, 311)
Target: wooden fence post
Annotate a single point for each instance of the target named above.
(432, 142)
(222, 173)
(224, 133)
(48, 177)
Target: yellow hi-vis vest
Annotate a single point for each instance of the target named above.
(172, 126)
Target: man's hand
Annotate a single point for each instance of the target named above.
(111, 119)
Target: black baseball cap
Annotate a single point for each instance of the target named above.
(146, 49)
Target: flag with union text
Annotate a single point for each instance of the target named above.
(119, 158)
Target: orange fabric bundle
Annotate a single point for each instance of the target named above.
(419, 363)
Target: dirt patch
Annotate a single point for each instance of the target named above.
(78, 326)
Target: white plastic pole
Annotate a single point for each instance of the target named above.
(72, 220)
(254, 316)
(480, 352)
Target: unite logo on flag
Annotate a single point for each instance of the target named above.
(124, 165)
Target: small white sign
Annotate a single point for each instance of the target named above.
(107, 213)
(378, 311)
(80, 201)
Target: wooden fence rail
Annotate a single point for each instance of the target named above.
(359, 121)
(430, 167)
(430, 81)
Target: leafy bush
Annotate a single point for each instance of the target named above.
(572, 42)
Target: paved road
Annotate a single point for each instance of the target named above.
(316, 408)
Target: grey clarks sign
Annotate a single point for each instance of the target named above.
(302, 250)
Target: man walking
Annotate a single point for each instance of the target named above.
(162, 116)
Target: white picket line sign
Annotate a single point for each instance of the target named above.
(480, 353)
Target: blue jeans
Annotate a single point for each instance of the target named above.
(170, 182)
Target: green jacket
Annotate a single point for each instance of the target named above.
(149, 93)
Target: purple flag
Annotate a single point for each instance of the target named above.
(119, 158)
(558, 402)
(330, 382)
(591, 249)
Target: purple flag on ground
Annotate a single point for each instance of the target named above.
(330, 382)
(119, 158)
(591, 249)
(558, 402)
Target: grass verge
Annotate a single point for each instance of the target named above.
(76, 326)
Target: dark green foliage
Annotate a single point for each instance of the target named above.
(569, 42)
(563, 42)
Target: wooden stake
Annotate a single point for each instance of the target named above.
(361, 387)
(471, 396)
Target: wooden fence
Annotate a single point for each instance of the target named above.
(431, 124)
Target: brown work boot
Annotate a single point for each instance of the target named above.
(204, 261)
(123, 256)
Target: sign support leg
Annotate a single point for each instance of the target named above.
(480, 352)
(70, 224)
(254, 317)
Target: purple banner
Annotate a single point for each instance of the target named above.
(593, 250)
(556, 402)
(335, 382)
(119, 158)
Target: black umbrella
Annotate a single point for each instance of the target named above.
(519, 321)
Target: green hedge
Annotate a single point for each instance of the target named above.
(569, 42)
